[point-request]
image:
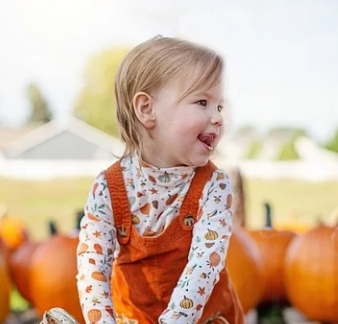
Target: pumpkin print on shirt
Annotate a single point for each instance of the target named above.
(155, 197)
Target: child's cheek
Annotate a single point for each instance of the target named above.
(221, 133)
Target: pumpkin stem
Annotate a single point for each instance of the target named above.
(271, 313)
(52, 228)
(268, 218)
(319, 221)
(79, 216)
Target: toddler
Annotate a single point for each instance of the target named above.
(157, 224)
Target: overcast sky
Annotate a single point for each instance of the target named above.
(282, 55)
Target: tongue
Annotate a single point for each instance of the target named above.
(206, 138)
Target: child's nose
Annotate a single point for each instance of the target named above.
(217, 119)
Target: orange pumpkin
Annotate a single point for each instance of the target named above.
(4, 290)
(292, 222)
(186, 303)
(135, 219)
(171, 199)
(20, 263)
(272, 245)
(94, 315)
(99, 276)
(4, 250)
(311, 268)
(13, 231)
(145, 209)
(211, 235)
(53, 276)
(244, 263)
(214, 259)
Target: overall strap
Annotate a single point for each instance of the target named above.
(189, 209)
(120, 204)
(119, 201)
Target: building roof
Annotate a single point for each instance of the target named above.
(8, 134)
(55, 127)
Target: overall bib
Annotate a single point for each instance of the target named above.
(147, 269)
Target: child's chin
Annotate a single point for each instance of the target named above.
(200, 162)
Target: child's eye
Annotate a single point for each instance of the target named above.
(202, 102)
(220, 108)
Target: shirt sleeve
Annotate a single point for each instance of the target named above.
(207, 254)
(97, 240)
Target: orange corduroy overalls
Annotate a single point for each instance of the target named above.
(148, 268)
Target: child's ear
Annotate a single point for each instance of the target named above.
(143, 107)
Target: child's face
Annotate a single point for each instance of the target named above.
(187, 132)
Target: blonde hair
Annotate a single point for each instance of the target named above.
(152, 65)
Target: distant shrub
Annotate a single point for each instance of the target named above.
(288, 151)
(332, 144)
(254, 149)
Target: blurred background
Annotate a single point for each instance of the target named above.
(57, 112)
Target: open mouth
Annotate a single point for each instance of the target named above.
(207, 139)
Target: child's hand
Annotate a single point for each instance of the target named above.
(220, 320)
(217, 320)
(58, 316)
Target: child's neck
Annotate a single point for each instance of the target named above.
(157, 160)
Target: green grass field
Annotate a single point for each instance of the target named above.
(36, 202)
(292, 200)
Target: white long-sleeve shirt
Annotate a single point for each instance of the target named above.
(98, 244)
